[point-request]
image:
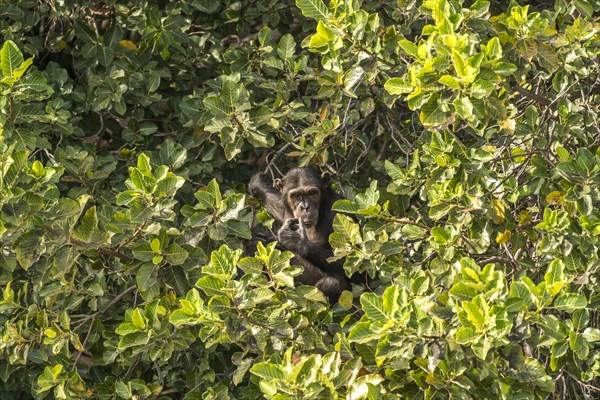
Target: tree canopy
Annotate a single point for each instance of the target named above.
(464, 135)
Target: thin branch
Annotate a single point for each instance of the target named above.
(108, 307)
(93, 317)
(533, 96)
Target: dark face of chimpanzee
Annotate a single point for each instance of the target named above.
(304, 201)
(302, 191)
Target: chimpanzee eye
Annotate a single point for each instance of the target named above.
(313, 192)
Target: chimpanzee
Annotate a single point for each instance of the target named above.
(301, 202)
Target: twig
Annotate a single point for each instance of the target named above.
(522, 169)
(87, 336)
(272, 157)
(533, 96)
(161, 381)
(112, 303)
(127, 241)
(93, 317)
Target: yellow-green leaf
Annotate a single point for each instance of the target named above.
(503, 237)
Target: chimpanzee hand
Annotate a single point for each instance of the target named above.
(258, 183)
(292, 234)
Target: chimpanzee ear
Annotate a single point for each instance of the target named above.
(278, 184)
(325, 178)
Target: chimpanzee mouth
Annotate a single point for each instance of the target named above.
(309, 221)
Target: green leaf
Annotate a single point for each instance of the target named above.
(28, 247)
(231, 93)
(534, 369)
(126, 328)
(105, 55)
(591, 335)
(223, 262)
(18, 72)
(123, 390)
(353, 77)
(474, 313)
(345, 226)
(216, 106)
(570, 302)
(441, 235)
(56, 370)
(579, 345)
(410, 48)
(560, 348)
(315, 9)
(84, 32)
(210, 197)
(397, 86)
(157, 260)
(435, 112)
(177, 279)
(38, 169)
(113, 35)
(11, 58)
(505, 69)
(392, 247)
(146, 276)
(555, 272)
(346, 206)
(394, 171)
(463, 107)
(180, 318)
(176, 255)
(138, 319)
(63, 261)
(143, 252)
(143, 164)
(218, 231)
(346, 299)
(362, 333)
(463, 291)
(548, 57)
(420, 285)
(155, 245)
(584, 7)
(493, 49)
(465, 335)
(373, 307)
(241, 370)
(450, 81)
(580, 319)
(481, 347)
(391, 300)
(134, 339)
(268, 371)
(481, 88)
(286, 47)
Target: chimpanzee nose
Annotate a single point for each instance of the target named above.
(304, 206)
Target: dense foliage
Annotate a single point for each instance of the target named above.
(464, 134)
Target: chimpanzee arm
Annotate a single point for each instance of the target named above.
(260, 188)
(318, 255)
(292, 236)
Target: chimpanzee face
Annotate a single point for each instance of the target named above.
(302, 191)
(304, 201)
